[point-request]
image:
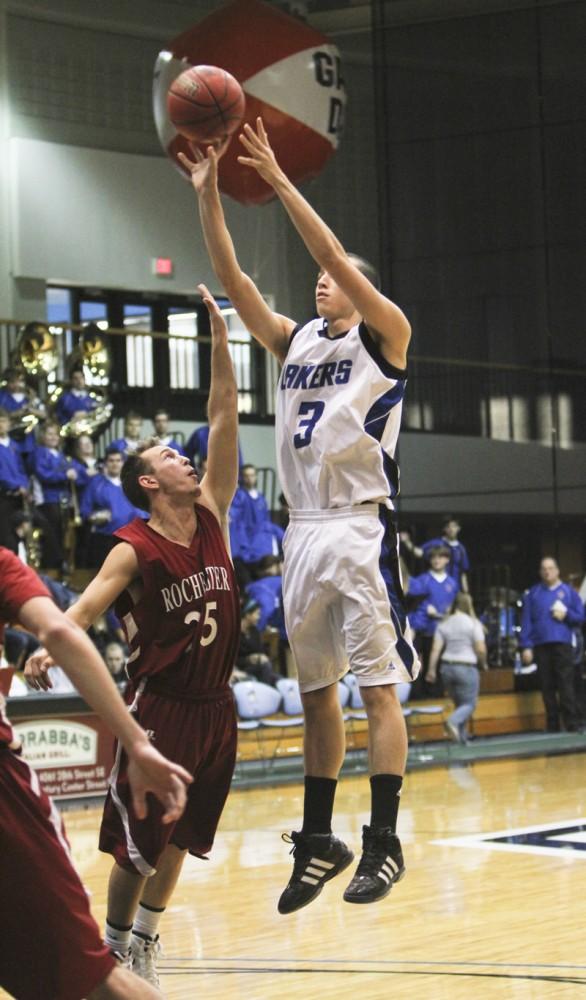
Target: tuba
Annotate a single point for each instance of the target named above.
(91, 353)
(35, 353)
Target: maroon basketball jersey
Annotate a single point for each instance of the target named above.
(185, 628)
(18, 584)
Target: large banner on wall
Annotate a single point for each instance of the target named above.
(72, 755)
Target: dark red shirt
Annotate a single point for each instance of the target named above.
(184, 629)
(18, 584)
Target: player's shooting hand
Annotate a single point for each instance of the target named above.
(36, 671)
(203, 169)
(149, 771)
(260, 154)
(217, 321)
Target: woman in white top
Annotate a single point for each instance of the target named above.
(460, 648)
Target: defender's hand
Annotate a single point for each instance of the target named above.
(218, 323)
(149, 771)
(261, 156)
(36, 671)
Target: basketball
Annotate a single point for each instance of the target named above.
(205, 103)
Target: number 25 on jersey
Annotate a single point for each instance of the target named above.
(209, 622)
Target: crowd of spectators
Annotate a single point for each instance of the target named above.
(541, 632)
(61, 502)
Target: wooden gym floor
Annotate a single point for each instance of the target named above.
(470, 920)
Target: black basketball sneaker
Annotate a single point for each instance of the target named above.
(380, 866)
(318, 858)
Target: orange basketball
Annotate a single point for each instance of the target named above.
(205, 103)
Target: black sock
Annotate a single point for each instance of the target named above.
(318, 804)
(385, 790)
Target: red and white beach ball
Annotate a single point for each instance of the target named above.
(291, 76)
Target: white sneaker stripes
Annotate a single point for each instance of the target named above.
(388, 870)
(316, 866)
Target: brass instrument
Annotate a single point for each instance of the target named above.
(36, 350)
(34, 353)
(91, 353)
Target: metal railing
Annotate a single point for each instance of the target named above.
(444, 395)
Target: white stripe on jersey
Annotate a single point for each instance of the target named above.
(338, 415)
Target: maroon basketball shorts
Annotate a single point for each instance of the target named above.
(50, 946)
(199, 733)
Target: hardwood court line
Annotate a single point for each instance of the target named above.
(338, 964)
(454, 974)
(493, 840)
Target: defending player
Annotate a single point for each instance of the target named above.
(50, 945)
(176, 593)
(338, 414)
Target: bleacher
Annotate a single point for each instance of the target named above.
(500, 711)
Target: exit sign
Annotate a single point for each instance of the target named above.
(162, 266)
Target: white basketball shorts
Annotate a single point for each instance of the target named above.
(343, 599)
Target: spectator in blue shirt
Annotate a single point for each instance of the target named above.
(196, 448)
(87, 466)
(75, 401)
(459, 563)
(436, 591)
(267, 592)
(162, 434)
(13, 481)
(17, 399)
(551, 611)
(55, 474)
(128, 444)
(252, 532)
(105, 507)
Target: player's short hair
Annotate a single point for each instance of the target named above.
(134, 467)
(367, 269)
(448, 520)
(438, 550)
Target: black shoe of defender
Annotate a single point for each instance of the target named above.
(318, 858)
(380, 866)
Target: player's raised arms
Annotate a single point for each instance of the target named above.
(271, 329)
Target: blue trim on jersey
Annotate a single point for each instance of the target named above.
(385, 366)
(375, 420)
(296, 329)
(389, 569)
(375, 423)
(324, 332)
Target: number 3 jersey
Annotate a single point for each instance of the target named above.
(182, 621)
(338, 414)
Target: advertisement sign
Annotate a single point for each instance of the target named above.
(73, 755)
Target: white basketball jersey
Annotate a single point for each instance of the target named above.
(338, 415)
